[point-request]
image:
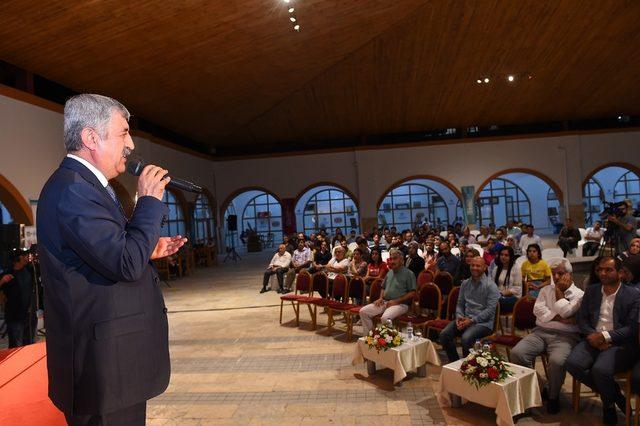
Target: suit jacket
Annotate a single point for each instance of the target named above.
(625, 314)
(107, 332)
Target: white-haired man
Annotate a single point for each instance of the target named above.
(556, 332)
(398, 291)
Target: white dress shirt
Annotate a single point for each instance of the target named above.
(103, 180)
(300, 257)
(526, 240)
(547, 307)
(336, 264)
(605, 320)
(281, 261)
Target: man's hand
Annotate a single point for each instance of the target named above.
(605, 346)
(152, 182)
(463, 323)
(596, 340)
(559, 293)
(391, 303)
(167, 246)
(5, 279)
(379, 302)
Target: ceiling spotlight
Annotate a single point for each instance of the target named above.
(292, 19)
(510, 78)
(486, 79)
(286, 1)
(291, 10)
(296, 27)
(623, 118)
(479, 81)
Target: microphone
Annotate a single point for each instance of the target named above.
(136, 164)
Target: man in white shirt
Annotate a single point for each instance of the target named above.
(529, 238)
(608, 317)
(279, 265)
(556, 332)
(301, 259)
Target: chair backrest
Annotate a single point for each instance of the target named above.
(375, 290)
(384, 255)
(303, 282)
(357, 289)
(523, 316)
(444, 281)
(477, 247)
(430, 298)
(339, 290)
(320, 283)
(474, 232)
(452, 302)
(496, 319)
(425, 277)
(455, 251)
(352, 246)
(583, 232)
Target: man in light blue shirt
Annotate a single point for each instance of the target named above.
(475, 312)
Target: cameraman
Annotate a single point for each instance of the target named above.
(627, 226)
(17, 286)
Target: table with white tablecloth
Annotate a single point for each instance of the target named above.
(510, 398)
(412, 355)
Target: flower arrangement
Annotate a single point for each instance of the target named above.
(384, 337)
(483, 367)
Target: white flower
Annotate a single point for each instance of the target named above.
(471, 369)
(388, 339)
(482, 361)
(483, 375)
(492, 362)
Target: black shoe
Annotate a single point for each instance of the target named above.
(609, 416)
(286, 290)
(264, 290)
(545, 394)
(280, 290)
(553, 406)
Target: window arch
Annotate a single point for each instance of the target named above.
(175, 219)
(329, 207)
(592, 199)
(203, 219)
(553, 207)
(627, 187)
(263, 214)
(5, 216)
(501, 200)
(416, 201)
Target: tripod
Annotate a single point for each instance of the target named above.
(614, 239)
(231, 247)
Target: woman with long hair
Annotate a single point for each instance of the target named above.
(376, 268)
(535, 271)
(508, 278)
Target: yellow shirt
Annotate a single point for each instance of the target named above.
(535, 271)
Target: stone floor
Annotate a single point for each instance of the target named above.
(233, 363)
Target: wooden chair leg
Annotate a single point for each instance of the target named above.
(628, 395)
(281, 306)
(313, 316)
(576, 395)
(636, 421)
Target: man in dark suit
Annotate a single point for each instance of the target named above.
(18, 287)
(608, 318)
(107, 341)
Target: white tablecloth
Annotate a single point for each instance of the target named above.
(509, 398)
(406, 357)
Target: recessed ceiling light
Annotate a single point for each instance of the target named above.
(286, 1)
(296, 27)
(291, 10)
(486, 79)
(479, 81)
(292, 19)
(511, 78)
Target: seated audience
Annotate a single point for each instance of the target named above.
(396, 242)
(529, 238)
(592, 278)
(376, 268)
(592, 237)
(398, 292)
(414, 262)
(339, 264)
(289, 245)
(608, 317)
(321, 257)
(475, 312)
(627, 226)
(446, 261)
(352, 237)
(489, 251)
(376, 243)
(429, 255)
(568, 238)
(467, 236)
(357, 266)
(508, 278)
(535, 271)
(512, 229)
(301, 259)
(347, 253)
(556, 331)
(364, 247)
(452, 239)
(279, 265)
(510, 241)
(500, 239)
(483, 237)
(407, 237)
(464, 269)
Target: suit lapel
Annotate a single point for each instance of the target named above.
(617, 306)
(597, 304)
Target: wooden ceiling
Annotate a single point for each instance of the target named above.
(234, 73)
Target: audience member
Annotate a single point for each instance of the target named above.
(396, 242)
(467, 236)
(288, 244)
(464, 268)
(446, 261)
(627, 226)
(475, 311)
(364, 247)
(398, 292)
(568, 238)
(593, 237)
(489, 251)
(279, 265)
(414, 262)
(508, 277)
(20, 311)
(512, 229)
(556, 332)
(357, 266)
(321, 257)
(483, 237)
(339, 263)
(429, 254)
(510, 241)
(631, 262)
(529, 238)
(352, 237)
(347, 253)
(608, 317)
(376, 268)
(301, 259)
(535, 271)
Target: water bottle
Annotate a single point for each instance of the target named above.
(477, 347)
(409, 331)
(486, 347)
(389, 323)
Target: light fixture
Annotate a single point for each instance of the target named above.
(486, 79)
(286, 1)
(291, 10)
(296, 27)
(292, 19)
(511, 78)
(479, 81)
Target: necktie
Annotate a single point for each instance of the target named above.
(113, 195)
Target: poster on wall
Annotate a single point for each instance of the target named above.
(467, 202)
(288, 215)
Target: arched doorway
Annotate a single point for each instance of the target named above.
(609, 183)
(257, 211)
(15, 209)
(329, 207)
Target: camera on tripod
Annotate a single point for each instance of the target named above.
(614, 209)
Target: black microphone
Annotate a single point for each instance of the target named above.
(136, 164)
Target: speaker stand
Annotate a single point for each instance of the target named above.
(231, 248)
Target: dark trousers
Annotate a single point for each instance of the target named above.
(566, 245)
(279, 274)
(507, 303)
(596, 368)
(130, 416)
(635, 379)
(590, 248)
(20, 334)
(469, 337)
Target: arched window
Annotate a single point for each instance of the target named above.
(327, 207)
(175, 221)
(502, 200)
(263, 214)
(592, 198)
(628, 187)
(203, 220)
(5, 216)
(414, 202)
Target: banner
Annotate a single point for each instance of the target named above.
(288, 215)
(468, 204)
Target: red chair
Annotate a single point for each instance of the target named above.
(320, 284)
(444, 281)
(303, 289)
(424, 277)
(374, 294)
(523, 320)
(338, 302)
(439, 324)
(357, 292)
(429, 299)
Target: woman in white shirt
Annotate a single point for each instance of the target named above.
(508, 278)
